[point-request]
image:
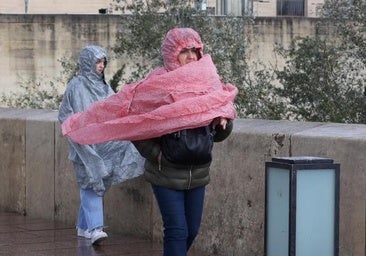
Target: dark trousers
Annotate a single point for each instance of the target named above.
(181, 212)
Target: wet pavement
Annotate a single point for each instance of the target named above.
(20, 236)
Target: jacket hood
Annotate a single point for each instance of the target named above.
(176, 40)
(87, 62)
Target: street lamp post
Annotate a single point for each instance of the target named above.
(302, 207)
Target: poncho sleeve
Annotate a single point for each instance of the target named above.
(98, 166)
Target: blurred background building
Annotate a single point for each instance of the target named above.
(256, 8)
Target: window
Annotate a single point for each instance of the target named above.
(290, 7)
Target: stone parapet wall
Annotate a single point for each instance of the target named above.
(37, 179)
(31, 46)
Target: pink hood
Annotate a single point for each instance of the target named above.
(176, 40)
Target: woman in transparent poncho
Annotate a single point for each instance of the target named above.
(97, 166)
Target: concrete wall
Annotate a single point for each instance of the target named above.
(32, 45)
(37, 179)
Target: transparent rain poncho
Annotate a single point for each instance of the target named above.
(102, 165)
(169, 99)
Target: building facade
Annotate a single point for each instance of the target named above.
(54, 6)
(255, 8)
(269, 8)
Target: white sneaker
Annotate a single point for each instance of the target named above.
(97, 236)
(83, 233)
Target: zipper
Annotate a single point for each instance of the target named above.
(159, 160)
(190, 178)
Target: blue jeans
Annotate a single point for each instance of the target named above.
(181, 212)
(91, 210)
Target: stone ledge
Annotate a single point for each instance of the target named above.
(38, 179)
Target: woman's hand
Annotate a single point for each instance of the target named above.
(219, 121)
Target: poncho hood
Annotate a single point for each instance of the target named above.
(175, 41)
(88, 86)
(88, 59)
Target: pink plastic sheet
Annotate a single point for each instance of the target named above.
(187, 97)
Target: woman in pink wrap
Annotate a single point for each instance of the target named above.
(177, 164)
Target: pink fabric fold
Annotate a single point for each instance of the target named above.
(164, 102)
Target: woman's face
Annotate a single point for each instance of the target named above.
(187, 55)
(100, 65)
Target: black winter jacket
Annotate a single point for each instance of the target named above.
(161, 172)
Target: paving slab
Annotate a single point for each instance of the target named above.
(22, 236)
